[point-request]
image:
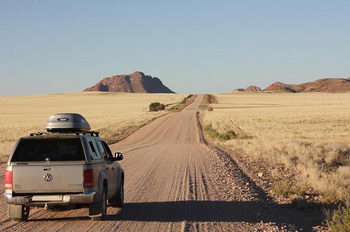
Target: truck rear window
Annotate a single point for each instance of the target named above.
(49, 150)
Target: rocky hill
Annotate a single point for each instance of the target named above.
(136, 82)
(331, 85)
(252, 89)
(280, 87)
(322, 85)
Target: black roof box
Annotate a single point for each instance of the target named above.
(67, 122)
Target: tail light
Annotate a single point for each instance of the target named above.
(88, 178)
(9, 180)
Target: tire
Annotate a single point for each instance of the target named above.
(98, 210)
(118, 199)
(19, 212)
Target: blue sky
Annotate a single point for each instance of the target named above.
(192, 46)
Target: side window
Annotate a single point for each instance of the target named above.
(109, 153)
(94, 154)
(102, 150)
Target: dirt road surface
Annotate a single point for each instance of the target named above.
(175, 183)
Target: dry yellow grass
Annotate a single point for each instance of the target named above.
(308, 132)
(110, 113)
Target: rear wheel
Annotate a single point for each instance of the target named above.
(98, 211)
(118, 199)
(19, 212)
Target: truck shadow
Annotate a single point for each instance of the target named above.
(212, 211)
(221, 211)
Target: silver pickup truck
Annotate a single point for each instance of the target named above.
(67, 165)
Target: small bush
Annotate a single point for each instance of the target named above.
(156, 106)
(283, 188)
(301, 188)
(289, 186)
(228, 135)
(177, 107)
(186, 99)
(204, 107)
(210, 99)
(339, 219)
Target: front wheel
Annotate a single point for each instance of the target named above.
(19, 212)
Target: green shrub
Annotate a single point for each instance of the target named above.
(228, 135)
(339, 219)
(156, 106)
(283, 188)
(186, 99)
(204, 107)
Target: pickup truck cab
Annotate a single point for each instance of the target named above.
(68, 165)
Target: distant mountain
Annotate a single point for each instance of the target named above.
(136, 82)
(322, 85)
(252, 88)
(280, 87)
(331, 85)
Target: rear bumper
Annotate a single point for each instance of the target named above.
(37, 200)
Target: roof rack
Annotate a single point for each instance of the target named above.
(91, 133)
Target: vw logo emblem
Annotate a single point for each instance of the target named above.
(48, 177)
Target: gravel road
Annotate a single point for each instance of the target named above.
(174, 182)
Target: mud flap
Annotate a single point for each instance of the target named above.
(19, 212)
(95, 209)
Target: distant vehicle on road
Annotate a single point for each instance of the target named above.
(67, 165)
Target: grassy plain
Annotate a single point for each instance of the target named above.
(308, 133)
(113, 114)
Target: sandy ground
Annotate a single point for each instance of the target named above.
(174, 182)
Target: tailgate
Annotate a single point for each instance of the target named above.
(43, 178)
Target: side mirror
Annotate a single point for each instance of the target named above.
(118, 156)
